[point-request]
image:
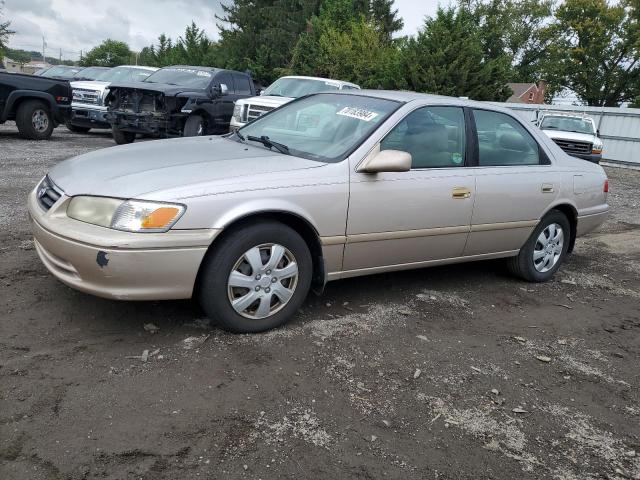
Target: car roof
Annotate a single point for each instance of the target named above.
(143, 67)
(566, 115)
(404, 96)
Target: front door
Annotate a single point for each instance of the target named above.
(408, 218)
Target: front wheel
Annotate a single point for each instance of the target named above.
(122, 137)
(540, 258)
(195, 126)
(256, 278)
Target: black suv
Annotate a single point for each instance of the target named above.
(176, 101)
(37, 104)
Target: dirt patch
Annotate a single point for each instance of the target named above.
(430, 374)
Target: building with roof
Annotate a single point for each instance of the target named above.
(527, 92)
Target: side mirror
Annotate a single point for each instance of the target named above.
(597, 132)
(219, 90)
(260, 92)
(224, 89)
(380, 161)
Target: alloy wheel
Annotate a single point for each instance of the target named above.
(40, 120)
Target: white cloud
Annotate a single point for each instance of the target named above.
(75, 25)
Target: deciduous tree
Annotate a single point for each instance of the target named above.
(110, 53)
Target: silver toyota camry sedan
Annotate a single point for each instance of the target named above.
(330, 186)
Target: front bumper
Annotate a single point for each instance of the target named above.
(148, 123)
(114, 264)
(85, 116)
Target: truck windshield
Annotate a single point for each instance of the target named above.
(90, 73)
(299, 87)
(185, 77)
(61, 71)
(567, 124)
(124, 74)
(325, 127)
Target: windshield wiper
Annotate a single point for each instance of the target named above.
(281, 147)
(239, 135)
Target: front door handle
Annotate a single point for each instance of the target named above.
(460, 193)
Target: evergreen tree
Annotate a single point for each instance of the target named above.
(260, 34)
(448, 58)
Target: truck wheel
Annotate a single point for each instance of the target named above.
(76, 129)
(34, 120)
(122, 137)
(195, 126)
(255, 278)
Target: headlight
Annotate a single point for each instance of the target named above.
(126, 215)
(597, 147)
(237, 112)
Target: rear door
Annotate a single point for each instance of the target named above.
(515, 184)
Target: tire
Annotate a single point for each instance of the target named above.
(76, 129)
(195, 126)
(123, 138)
(232, 255)
(34, 120)
(547, 258)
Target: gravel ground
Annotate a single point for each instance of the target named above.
(458, 372)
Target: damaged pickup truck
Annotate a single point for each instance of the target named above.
(176, 101)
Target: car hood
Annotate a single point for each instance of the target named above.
(141, 170)
(167, 89)
(90, 85)
(574, 136)
(266, 100)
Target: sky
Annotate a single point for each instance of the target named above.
(79, 25)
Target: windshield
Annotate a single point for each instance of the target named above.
(185, 77)
(299, 87)
(324, 127)
(90, 73)
(568, 124)
(61, 71)
(124, 74)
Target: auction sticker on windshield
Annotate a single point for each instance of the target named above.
(359, 113)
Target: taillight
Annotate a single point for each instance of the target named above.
(606, 186)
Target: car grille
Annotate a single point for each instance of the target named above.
(570, 146)
(89, 97)
(255, 111)
(48, 194)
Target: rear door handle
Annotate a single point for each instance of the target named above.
(461, 193)
(547, 188)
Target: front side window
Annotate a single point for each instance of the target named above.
(225, 79)
(434, 136)
(324, 127)
(243, 86)
(503, 141)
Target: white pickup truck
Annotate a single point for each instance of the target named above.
(88, 109)
(576, 134)
(282, 91)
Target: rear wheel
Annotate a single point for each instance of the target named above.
(34, 120)
(256, 279)
(540, 258)
(76, 129)
(195, 126)
(122, 138)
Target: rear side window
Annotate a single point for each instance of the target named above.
(434, 136)
(243, 86)
(503, 141)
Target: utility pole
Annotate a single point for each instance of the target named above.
(60, 55)
(44, 45)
